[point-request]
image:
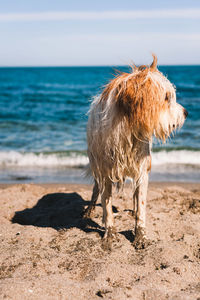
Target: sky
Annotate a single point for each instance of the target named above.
(106, 32)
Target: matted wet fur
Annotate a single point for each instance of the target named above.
(132, 109)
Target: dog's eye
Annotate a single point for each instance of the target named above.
(167, 97)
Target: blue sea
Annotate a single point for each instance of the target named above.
(43, 119)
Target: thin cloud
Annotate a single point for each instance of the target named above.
(104, 15)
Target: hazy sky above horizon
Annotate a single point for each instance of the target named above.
(64, 33)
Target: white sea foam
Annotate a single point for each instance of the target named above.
(184, 157)
(74, 159)
(17, 159)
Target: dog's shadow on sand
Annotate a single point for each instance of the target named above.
(61, 211)
(58, 211)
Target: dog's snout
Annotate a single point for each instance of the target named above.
(185, 113)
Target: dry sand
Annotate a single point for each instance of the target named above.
(48, 252)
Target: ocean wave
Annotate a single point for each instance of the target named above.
(80, 159)
(45, 160)
(184, 157)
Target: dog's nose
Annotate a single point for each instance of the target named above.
(185, 113)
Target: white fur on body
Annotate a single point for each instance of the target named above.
(117, 150)
(113, 150)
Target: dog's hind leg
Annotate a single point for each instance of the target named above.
(108, 219)
(88, 211)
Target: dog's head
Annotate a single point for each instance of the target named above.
(170, 114)
(148, 100)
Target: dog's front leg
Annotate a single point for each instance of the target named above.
(135, 200)
(108, 219)
(140, 197)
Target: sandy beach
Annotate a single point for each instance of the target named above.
(48, 252)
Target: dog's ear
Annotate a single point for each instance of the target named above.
(139, 101)
(153, 66)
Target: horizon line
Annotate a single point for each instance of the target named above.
(95, 66)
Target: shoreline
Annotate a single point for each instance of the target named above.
(162, 184)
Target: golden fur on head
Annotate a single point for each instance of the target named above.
(131, 109)
(141, 97)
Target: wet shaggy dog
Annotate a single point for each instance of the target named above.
(122, 122)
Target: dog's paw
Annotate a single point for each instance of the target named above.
(140, 240)
(109, 237)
